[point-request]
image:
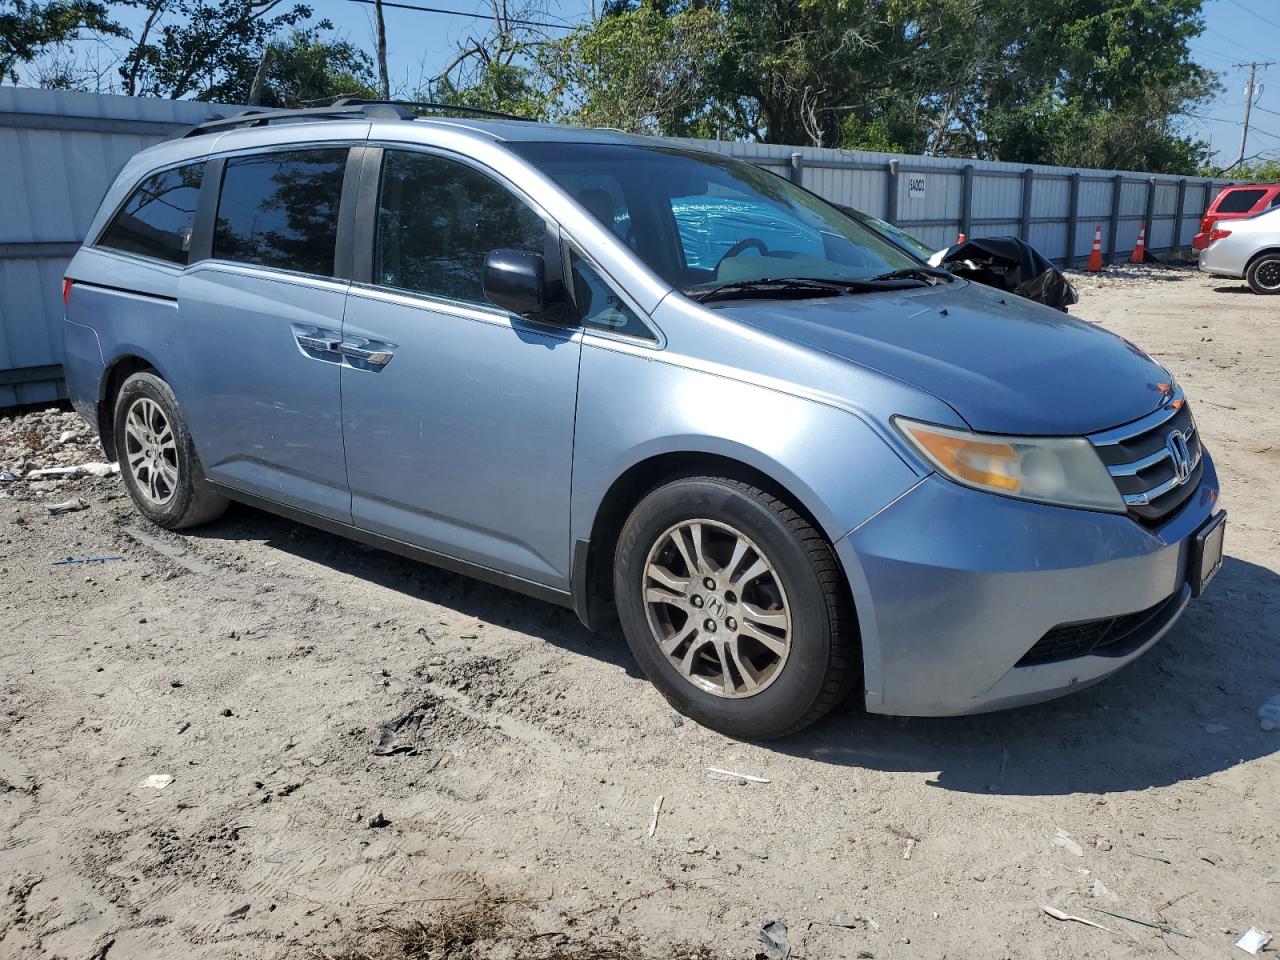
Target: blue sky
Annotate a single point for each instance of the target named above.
(1238, 31)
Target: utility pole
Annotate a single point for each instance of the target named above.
(1251, 90)
(384, 82)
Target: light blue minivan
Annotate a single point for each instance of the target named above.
(642, 380)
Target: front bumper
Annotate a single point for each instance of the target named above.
(954, 586)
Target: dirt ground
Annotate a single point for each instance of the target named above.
(360, 746)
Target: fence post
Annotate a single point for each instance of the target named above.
(1113, 228)
(1149, 214)
(1073, 219)
(1177, 216)
(1028, 187)
(891, 201)
(797, 167)
(1208, 197)
(966, 200)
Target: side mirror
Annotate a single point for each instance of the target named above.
(516, 281)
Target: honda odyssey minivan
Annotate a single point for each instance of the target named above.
(794, 461)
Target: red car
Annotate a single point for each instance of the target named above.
(1236, 203)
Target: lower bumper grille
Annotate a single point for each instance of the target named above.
(1108, 637)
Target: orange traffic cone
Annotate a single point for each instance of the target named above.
(960, 238)
(1095, 254)
(1140, 248)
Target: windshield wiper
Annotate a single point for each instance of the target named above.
(930, 275)
(773, 287)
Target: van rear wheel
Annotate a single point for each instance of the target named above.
(735, 607)
(158, 460)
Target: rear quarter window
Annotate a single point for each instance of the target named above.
(157, 218)
(1238, 201)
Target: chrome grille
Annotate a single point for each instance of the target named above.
(1156, 461)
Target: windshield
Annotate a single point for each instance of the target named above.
(700, 220)
(895, 234)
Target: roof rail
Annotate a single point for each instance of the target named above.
(261, 116)
(427, 105)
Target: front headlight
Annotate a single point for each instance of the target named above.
(1064, 471)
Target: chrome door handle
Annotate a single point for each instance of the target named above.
(319, 344)
(354, 352)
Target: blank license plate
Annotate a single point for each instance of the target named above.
(1206, 555)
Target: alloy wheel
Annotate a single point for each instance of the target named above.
(1268, 275)
(717, 609)
(151, 451)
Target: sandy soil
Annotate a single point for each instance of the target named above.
(263, 665)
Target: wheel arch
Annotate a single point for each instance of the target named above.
(1266, 251)
(118, 370)
(592, 560)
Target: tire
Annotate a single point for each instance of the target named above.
(1263, 275)
(800, 605)
(158, 460)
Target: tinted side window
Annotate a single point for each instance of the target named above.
(281, 210)
(599, 306)
(438, 219)
(1238, 201)
(156, 219)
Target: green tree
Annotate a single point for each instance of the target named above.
(1103, 87)
(28, 28)
(1257, 171)
(191, 47)
(643, 70)
(303, 69)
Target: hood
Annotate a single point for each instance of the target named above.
(1005, 364)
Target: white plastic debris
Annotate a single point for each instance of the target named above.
(1100, 891)
(67, 506)
(1269, 714)
(657, 809)
(157, 781)
(1063, 915)
(1253, 940)
(1064, 840)
(718, 774)
(80, 470)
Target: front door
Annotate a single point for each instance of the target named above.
(259, 317)
(457, 417)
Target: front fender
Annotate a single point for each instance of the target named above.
(634, 406)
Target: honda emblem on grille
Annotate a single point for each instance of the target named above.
(1179, 454)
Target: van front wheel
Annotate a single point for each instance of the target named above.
(735, 607)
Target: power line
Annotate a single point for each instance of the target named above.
(473, 16)
(1269, 23)
(1216, 33)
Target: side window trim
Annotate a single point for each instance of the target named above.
(366, 226)
(206, 211)
(354, 150)
(573, 249)
(96, 243)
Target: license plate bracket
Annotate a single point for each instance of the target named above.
(1206, 553)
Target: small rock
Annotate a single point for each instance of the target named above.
(378, 821)
(175, 683)
(226, 711)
